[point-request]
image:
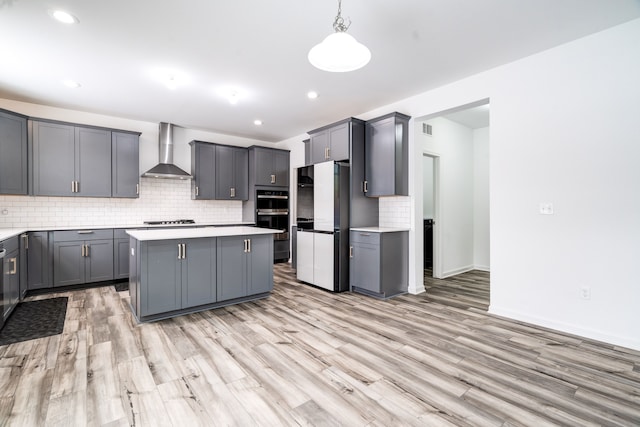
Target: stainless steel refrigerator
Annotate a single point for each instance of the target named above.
(322, 257)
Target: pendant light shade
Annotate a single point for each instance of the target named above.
(339, 52)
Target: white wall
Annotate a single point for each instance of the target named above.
(564, 129)
(427, 188)
(159, 198)
(481, 221)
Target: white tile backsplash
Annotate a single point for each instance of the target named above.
(160, 199)
(394, 211)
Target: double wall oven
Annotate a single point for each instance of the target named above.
(272, 211)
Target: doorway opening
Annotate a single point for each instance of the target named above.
(455, 208)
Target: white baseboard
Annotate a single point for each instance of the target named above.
(482, 268)
(456, 271)
(568, 328)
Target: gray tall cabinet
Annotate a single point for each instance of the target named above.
(13, 153)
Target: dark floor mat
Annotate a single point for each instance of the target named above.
(124, 286)
(34, 319)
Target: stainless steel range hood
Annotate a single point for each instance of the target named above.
(166, 169)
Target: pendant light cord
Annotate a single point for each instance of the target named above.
(338, 24)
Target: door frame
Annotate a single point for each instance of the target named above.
(437, 238)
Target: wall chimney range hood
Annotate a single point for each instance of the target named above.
(165, 168)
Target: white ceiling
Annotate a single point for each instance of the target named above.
(119, 46)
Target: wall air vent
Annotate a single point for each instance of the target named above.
(427, 129)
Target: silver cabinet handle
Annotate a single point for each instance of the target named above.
(82, 250)
(88, 250)
(350, 251)
(25, 239)
(233, 192)
(179, 251)
(246, 246)
(273, 179)
(365, 234)
(197, 191)
(184, 250)
(73, 186)
(85, 232)
(76, 185)
(137, 188)
(15, 266)
(365, 186)
(249, 245)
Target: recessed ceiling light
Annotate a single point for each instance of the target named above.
(64, 17)
(257, 122)
(312, 95)
(71, 83)
(232, 94)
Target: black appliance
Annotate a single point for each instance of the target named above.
(428, 243)
(272, 211)
(171, 222)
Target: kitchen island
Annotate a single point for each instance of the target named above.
(179, 271)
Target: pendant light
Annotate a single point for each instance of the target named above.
(339, 52)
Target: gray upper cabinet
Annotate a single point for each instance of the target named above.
(387, 156)
(13, 153)
(71, 160)
(203, 163)
(232, 173)
(125, 164)
(220, 172)
(330, 142)
(270, 167)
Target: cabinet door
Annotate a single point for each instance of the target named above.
(386, 157)
(125, 167)
(121, 258)
(199, 272)
(339, 142)
(53, 159)
(241, 173)
(68, 263)
(93, 162)
(365, 267)
(304, 261)
(38, 260)
(263, 164)
(319, 145)
(323, 249)
(203, 161)
(232, 267)
(260, 274)
(281, 168)
(98, 260)
(224, 170)
(13, 154)
(324, 196)
(160, 277)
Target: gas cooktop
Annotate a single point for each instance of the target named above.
(173, 221)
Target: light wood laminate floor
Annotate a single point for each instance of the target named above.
(304, 356)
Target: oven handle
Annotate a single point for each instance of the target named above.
(262, 196)
(273, 213)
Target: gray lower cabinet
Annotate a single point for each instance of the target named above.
(13, 153)
(387, 156)
(39, 274)
(379, 263)
(70, 160)
(120, 254)
(176, 274)
(82, 256)
(125, 169)
(245, 266)
(11, 280)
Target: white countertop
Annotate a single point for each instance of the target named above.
(7, 233)
(195, 233)
(379, 229)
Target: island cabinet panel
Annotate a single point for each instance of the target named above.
(245, 266)
(177, 274)
(13, 153)
(198, 272)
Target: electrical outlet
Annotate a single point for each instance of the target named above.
(546, 208)
(585, 292)
(5, 211)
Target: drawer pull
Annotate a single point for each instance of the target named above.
(85, 232)
(365, 234)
